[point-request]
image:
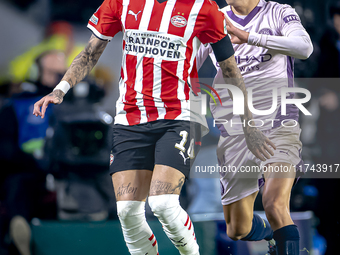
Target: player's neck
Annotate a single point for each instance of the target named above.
(244, 7)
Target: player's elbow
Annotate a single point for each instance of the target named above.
(310, 50)
(306, 50)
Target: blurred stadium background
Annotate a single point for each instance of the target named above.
(63, 222)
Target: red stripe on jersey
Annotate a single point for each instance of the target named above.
(156, 16)
(190, 225)
(169, 89)
(186, 223)
(181, 11)
(173, 109)
(151, 237)
(122, 73)
(169, 80)
(133, 113)
(186, 91)
(134, 14)
(121, 69)
(188, 53)
(154, 243)
(151, 110)
(194, 82)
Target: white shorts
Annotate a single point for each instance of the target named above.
(241, 170)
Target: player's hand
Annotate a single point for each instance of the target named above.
(238, 36)
(56, 97)
(258, 143)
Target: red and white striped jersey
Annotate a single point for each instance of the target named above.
(160, 41)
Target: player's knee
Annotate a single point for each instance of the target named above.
(237, 231)
(161, 205)
(274, 207)
(130, 211)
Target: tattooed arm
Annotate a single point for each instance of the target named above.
(85, 61)
(79, 69)
(256, 141)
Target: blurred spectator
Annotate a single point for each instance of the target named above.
(58, 36)
(21, 145)
(328, 126)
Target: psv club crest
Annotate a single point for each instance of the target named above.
(111, 158)
(178, 21)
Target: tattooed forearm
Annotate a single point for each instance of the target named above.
(159, 187)
(85, 61)
(230, 70)
(58, 95)
(232, 75)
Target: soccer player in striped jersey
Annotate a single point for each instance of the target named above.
(266, 36)
(157, 134)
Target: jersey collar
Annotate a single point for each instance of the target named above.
(249, 17)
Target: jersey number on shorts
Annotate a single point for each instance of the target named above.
(180, 146)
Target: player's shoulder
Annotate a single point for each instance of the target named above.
(279, 8)
(209, 5)
(120, 2)
(114, 5)
(115, 2)
(283, 12)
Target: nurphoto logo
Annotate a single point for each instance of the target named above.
(239, 100)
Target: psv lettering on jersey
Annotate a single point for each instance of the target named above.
(160, 41)
(151, 44)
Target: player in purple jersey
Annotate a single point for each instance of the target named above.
(266, 36)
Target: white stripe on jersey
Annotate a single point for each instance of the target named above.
(180, 67)
(122, 84)
(192, 19)
(146, 16)
(170, 4)
(164, 25)
(138, 86)
(157, 87)
(190, 28)
(124, 12)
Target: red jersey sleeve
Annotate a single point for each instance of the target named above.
(213, 28)
(105, 23)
